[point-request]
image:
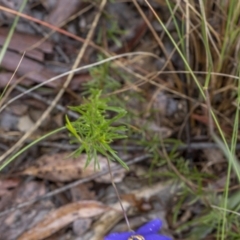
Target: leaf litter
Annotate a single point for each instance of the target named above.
(166, 111)
(17, 222)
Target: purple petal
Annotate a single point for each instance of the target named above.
(150, 227)
(118, 236)
(156, 237)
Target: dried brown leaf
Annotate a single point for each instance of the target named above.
(61, 217)
(61, 167)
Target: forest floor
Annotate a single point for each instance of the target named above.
(169, 72)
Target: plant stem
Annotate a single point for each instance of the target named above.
(118, 196)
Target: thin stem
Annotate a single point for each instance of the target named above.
(118, 196)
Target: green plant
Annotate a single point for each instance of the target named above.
(94, 129)
(102, 79)
(113, 31)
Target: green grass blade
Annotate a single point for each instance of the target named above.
(28, 146)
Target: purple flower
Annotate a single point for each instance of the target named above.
(149, 231)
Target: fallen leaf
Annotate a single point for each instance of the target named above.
(61, 167)
(61, 217)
